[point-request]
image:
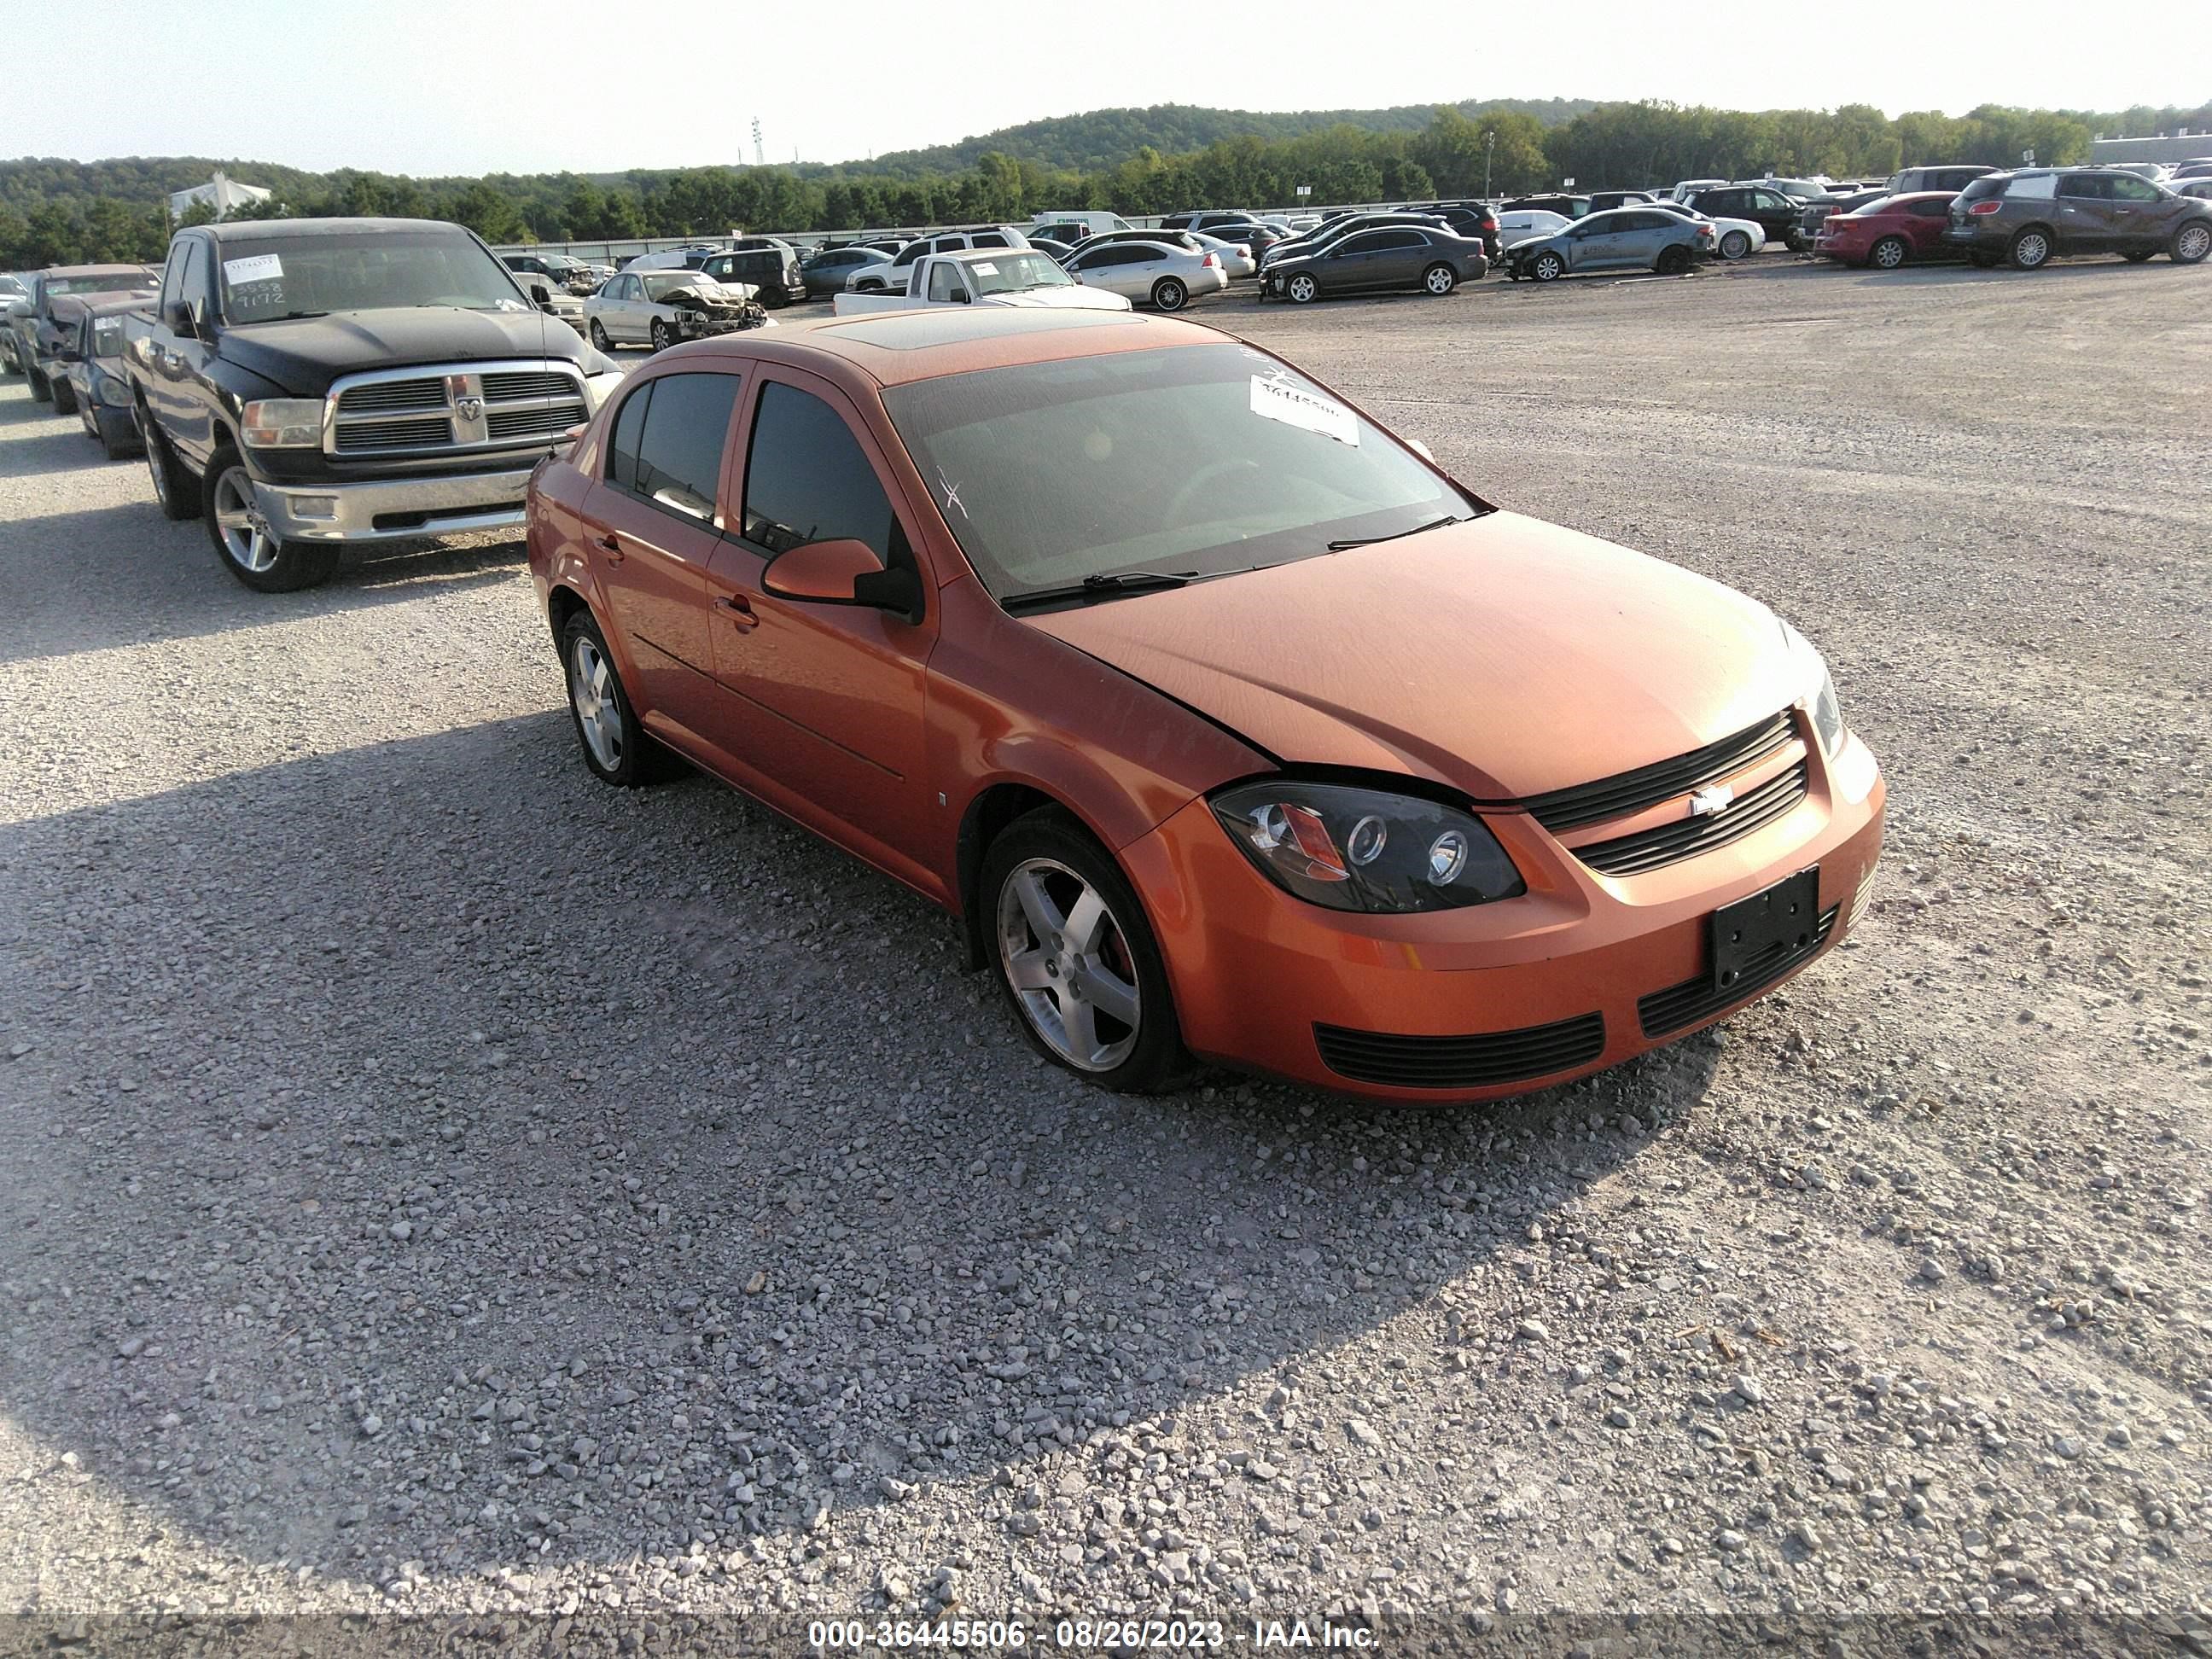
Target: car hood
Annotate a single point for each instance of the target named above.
(1504, 657)
(1077, 296)
(304, 357)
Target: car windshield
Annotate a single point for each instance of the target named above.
(1012, 273)
(108, 282)
(267, 278)
(1205, 459)
(107, 337)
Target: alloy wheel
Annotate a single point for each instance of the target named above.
(1303, 288)
(1439, 279)
(598, 713)
(1889, 254)
(2193, 244)
(247, 538)
(2032, 249)
(1069, 963)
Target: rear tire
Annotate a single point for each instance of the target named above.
(244, 544)
(176, 492)
(616, 748)
(1889, 253)
(1169, 294)
(1736, 245)
(1440, 279)
(2030, 249)
(2191, 242)
(1099, 1005)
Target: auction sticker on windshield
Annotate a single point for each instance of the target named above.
(987, 271)
(259, 268)
(1277, 401)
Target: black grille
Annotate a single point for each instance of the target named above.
(503, 388)
(384, 395)
(396, 434)
(1648, 849)
(1480, 1060)
(1625, 793)
(532, 421)
(1698, 999)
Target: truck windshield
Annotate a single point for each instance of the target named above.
(1009, 273)
(266, 278)
(1192, 459)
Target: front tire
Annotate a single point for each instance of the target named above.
(42, 389)
(2030, 249)
(1547, 267)
(1736, 245)
(1889, 253)
(1074, 954)
(64, 396)
(243, 541)
(600, 341)
(1672, 261)
(663, 335)
(175, 490)
(1440, 279)
(616, 747)
(1303, 289)
(1169, 294)
(114, 432)
(2190, 243)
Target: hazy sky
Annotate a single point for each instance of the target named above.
(437, 86)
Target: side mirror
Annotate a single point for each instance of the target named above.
(542, 294)
(842, 571)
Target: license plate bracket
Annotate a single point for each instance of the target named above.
(1775, 924)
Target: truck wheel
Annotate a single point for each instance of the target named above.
(600, 341)
(663, 336)
(1170, 295)
(244, 543)
(175, 489)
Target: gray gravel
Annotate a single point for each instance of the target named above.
(430, 1180)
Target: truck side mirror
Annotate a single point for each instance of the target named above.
(543, 295)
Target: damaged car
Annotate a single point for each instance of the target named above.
(659, 308)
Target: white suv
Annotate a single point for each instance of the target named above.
(883, 274)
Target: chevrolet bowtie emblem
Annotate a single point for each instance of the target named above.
(1713, 797)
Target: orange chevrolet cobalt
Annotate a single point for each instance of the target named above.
(1225, 721)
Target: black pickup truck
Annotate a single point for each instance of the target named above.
(308, 384)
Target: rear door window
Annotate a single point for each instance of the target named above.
(2086, 186)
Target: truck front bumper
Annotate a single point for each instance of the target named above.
(393, 509)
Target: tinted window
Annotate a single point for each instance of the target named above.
(622, 448)
(2086, 186)
(907, 255)
(679, 452)
(808, 479)
(1387, 239)
(1935, 207)
(1371, 241)
(992, 239)
(2130, 189)
(1978, 188)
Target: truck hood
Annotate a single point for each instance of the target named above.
(1504, 657)
(305, 355)
(1077, 295)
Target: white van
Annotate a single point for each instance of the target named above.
(1092, 220)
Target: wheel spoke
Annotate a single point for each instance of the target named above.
(1086, 920)
(1110, 995)
(1027, 971)
(1044, 918)
(233, 520)
(1078, 1019)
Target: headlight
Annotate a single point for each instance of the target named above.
(1828, 714)
(282, 423)
(597, 388)
(111, 391)
(1349, 848)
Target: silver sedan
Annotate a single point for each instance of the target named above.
(1150, 273)
(1236, 258)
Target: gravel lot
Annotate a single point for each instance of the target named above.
(431, 1181)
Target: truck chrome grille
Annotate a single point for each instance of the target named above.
(455, 409)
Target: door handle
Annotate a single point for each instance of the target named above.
(612, 549)
(739, 611)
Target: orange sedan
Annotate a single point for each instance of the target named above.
(1225, 721)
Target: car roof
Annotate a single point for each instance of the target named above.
(249, 229)
(899, 348)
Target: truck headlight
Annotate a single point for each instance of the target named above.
(282, 423)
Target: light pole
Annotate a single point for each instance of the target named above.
(1489, 143)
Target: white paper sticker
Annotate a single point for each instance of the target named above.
(985, 271)
(259, 268)
(1295, 406)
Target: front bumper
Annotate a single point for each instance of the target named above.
(395, 509)
(1256, 971)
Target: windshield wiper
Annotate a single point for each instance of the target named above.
(1368, 541)
(1102, 585)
